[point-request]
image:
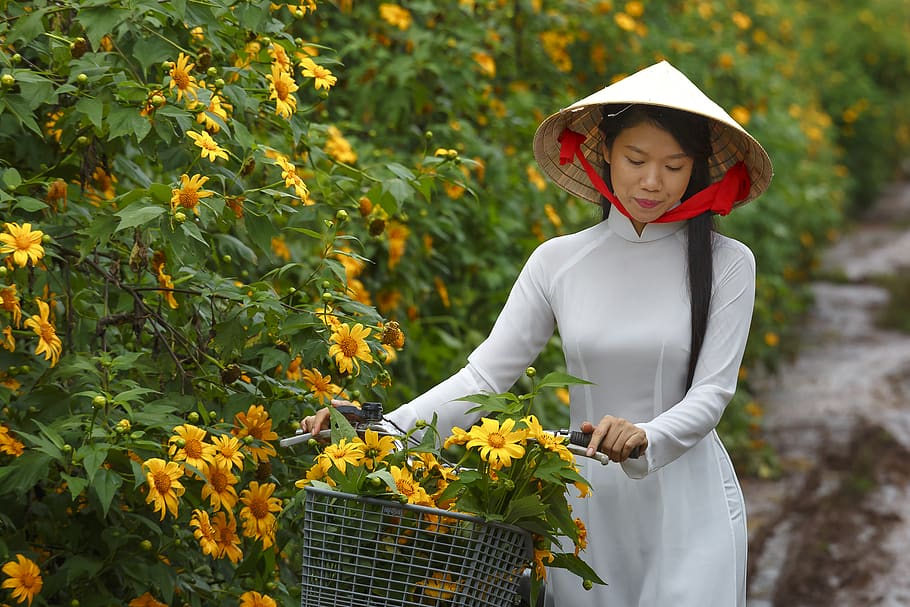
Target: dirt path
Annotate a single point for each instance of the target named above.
(835, 529)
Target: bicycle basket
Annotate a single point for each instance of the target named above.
(360, 551)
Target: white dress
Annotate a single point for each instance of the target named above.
(667, 529)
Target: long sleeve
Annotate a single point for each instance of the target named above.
(522, 329)
(676, 430)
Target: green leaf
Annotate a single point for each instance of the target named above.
(400, 190)
(558, 379)
(341, 427)
(27, 27)
(29, 204)
(528, 506)
(127, 121)
(93, 109)
(136, 215)
(19, 108)
(400, 171)
(161, 192)
(576, 566)
(11, 178)
(24, 472)
(78, 567)
(133, 394)
(75, 484)
(93, 455)
(36, 92)
(100, 21)
(106, 484)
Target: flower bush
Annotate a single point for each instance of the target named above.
(506, 468)
(208, 208)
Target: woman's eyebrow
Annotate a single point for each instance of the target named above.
(670, 157)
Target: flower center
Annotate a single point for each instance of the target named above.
(162, 481)
(47, 331)
(281, 88)
(188, 198)
(260, 508)
(193, 449)
(496, 440)
(218, 481)
(405, 486)
(182, 79)
(348, 346)
(23, 241)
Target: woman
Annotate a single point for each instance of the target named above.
(654, 308)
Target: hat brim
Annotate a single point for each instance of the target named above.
(659, 85)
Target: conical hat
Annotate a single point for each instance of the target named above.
(662, 85)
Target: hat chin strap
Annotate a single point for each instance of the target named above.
(719, 197)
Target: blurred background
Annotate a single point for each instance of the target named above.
(416, 199)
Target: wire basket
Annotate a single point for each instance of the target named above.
(361, 551)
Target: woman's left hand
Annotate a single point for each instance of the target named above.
(615, 436)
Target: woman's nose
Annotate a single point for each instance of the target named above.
(651, 179)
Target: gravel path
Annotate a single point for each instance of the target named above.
(834, 530)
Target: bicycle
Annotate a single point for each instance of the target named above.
(369, 552)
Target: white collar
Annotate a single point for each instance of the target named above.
(622, 225)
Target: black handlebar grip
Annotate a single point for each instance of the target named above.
(583, 439)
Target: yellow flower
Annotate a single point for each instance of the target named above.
(486, 63)
(395, 15)
(189, 192)
(442, 290)
(256, 423)
(282, 88)
(322, 76)
(398, 238)
(317, 472)
(9, 301)
(48, 342)
(498, 444)
(582, 542)
(182, 79)
(8, 342)
(320, 385)
(226, 537)
(742, 20)
(252, 598)
(338, 147)
(22, 243)
(195, 451)
(258, 506)
(218, 107)
(9, 444)
(292, 179)
(439, 586)
(772, 339)
(280, 58)
(24, 579)
(280, 248)
(146, 600)
(374, 448)
(208, 146)
(624, 21)
(205, 533)
(349, 346)
(552, 215)
(541, 558)
(167, 288)
(164, 485)
(227, 449)
(740, 115)
(219, 485)
(342, 453)
(408, 486)
(458, 437)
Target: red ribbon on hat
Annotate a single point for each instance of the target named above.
(719, 197)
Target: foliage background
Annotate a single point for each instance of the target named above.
(421, 204)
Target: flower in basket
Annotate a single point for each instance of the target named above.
(506, 470)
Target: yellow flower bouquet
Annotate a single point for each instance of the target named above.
(402, 520)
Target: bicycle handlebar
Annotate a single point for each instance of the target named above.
(577, 445)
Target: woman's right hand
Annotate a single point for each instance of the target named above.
(312, 424)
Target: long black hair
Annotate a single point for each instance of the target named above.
(693, 135)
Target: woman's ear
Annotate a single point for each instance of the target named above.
(606, 152)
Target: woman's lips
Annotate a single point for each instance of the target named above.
(646, 203)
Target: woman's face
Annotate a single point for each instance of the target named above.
(649, 170)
